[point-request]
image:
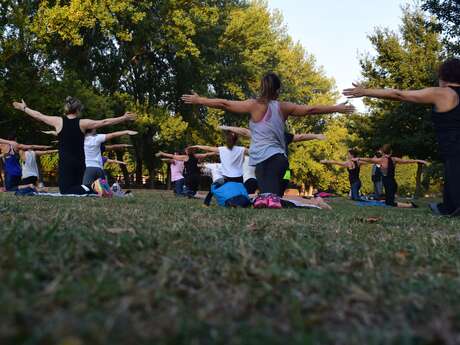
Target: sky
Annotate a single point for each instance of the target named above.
(336, 31)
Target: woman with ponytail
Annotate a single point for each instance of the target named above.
(267, 124)
(71, 133)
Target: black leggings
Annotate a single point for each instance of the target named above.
(71, 179)
(233, 179)
(270, 174)
(192, 182)
(391, 187)
(451, 194)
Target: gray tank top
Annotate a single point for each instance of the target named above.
(267, 135)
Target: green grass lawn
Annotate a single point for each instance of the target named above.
(155, 269)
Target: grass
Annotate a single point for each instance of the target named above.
(155, 269)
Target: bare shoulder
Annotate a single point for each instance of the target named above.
(447, 98)
(258, 109)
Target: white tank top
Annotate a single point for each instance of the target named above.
(232, 161)
(30, 168)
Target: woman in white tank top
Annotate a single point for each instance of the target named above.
(267, 124)
(231, 157)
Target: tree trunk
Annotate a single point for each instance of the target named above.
(418, 182)
(139, 168)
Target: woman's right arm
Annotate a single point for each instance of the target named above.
(53, 121)
(308, 137)
(292, 109)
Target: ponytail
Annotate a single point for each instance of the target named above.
(72, 106)
(270, 86)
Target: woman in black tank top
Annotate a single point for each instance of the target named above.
(388, 168)
(445, 100)
(354, 168)
(70, 130)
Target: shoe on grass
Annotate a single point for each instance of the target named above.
(261, 202)
(274, 202)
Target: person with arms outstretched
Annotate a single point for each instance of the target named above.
(11, 153)
(93, 154)
(192, 172)
(267, 125)
(445, 100)
(354, 168)
(71, 131)
(388, 164)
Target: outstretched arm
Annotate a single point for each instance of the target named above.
(368, 160)
(114, 135)
(8, 142)
(292, 109)
(202, 156)
(48, 152)
(117, 147)
(86, 124)
(409, 161)
(53, 121)
(171, 156)
(429, 95)
(308, 137)
(114, 161)
(239, 107)
(342, 164)
(32, 147)
(205, 148)
(244, 132)
(53, 133)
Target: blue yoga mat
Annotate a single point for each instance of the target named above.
(371, 203)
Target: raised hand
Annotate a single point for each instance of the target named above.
(132, 132)
(20, 105)
(321, 137)
(423, 162)
(357, 91)
(158, 154)
(191, 99)
(324, 161)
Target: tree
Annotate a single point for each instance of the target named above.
(143, 55)
(447, 13)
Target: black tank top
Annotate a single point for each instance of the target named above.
(391, 169)
(191, 166)
(71, 144)
(447, 127)
(353, 174)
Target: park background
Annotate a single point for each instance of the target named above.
(143, 55)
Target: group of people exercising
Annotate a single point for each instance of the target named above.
(267, 161)
(81, 164)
